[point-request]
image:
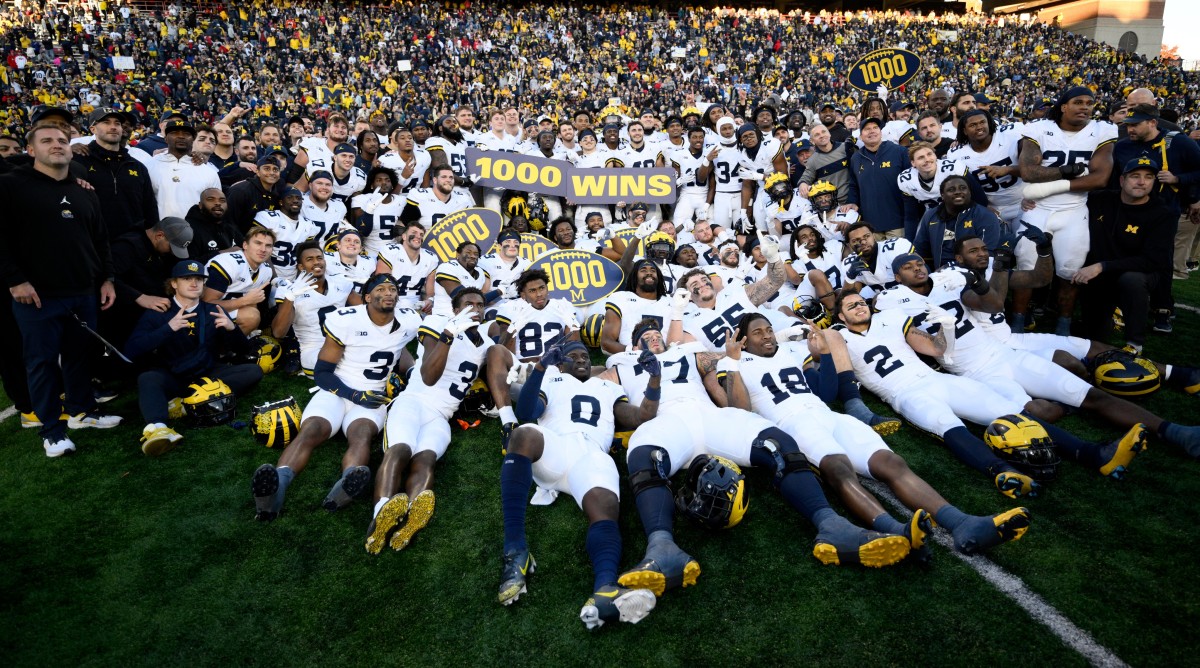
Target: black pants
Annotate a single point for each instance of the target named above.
(57, 356)
(12, 358)
(157, 387)
(1131, 292)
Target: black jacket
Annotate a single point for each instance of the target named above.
(140, 270)
(54, 235)
(245, 199)
(124, 188)
(209, 235)
(189, 352)
(1128, 237)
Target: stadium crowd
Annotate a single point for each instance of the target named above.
(252, 192)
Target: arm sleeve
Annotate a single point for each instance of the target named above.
(530, 405)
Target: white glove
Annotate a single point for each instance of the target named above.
(461, 322)
(519, 316)
(882, 92)
(603, 234)
(743, 217)
(770, 247)
(1042, 190)
(706, 213)
(726, 235)
(519, 372)
(686, 177)
(679, 303)
(685, 226)
(794, 332)
(305, 282)
(646, 229)
(509, 291)
(941, 316)
(753, 176)
(953, 281)
(373, 202)
(566, 311)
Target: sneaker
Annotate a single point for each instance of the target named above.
(493, 412)
(1017, 485)
(517, 564)
(664, 567)
(390, 516)
(158, 439)
(264, 486)
(419, 513)
(349, 487)
(617, 604)
(103, 395)
(58, 448)
(1119, 453)
(885, 426)
(30, 421)
(1193, 265)
(1162, 322)
(94, 420)
(1132, 348)
(839, 542)
(1188, 380)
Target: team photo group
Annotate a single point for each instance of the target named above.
(653, 268)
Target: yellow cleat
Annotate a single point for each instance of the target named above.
(875, 550)
(390, 515)
(1124, 450)
(1017, 485)
(920, 525)
(886, 426)
(664, 567)
(159, 440)
(419, 512)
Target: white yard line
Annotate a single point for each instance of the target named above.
(1185, 307)
(1014, 588)
(7, 413)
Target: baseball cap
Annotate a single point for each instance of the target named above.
(1138, 117)
(172, 114)
(870, 120)
(43, 111)
(268, 159)
(529, 122)
(1141, 162)
(829, 105)
(343, 148)
(804, 145)
(179, 234)
(179, 125)
(102, 113)
(982, 98)
(188, 268)
(290, 191)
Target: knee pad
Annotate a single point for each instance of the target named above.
(649, 467)
(783, 451)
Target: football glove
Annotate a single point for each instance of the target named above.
(646, 229)
(1073, 170)
(1003, 259)
(368, 399)
(953, 281)
(461, 322)
(977, 282)
(1040, 239)
(770, 248)
(519, 372)
(941, 316)
(794, 332)
(857, 267)
(603, 234)
(679, 303)
(650, 363)
(305, 282)
(685, 178)
(553, 356)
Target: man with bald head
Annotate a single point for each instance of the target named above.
(1146, 96)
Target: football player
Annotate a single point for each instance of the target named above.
(566, 450)
(1063, 157)
(659, 249)
(725, 190)
(782, 210)
(992, 156)
(238, 281)
(429, 205)
(562, 233)
(375, 213)
(410, 162)
(347, 259)
(448, 148)
(690, 430)
(290, 230)
(412, 266)
(772, 380)
(348, 180)
(820, 260)
(316, 153)
(522, 330)
(644, 295)
(362, 344)
(921, 184)
(868, 267)
(304, 302)
(461, 272)
(418, 428)
(320, 209)
(504, 267)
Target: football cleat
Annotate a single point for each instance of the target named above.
(1120, 452)
(506, 431)
(919, 526)
(264, 485)
(1189, 382)
(664, 567)
(348, 487)
(390, 515)
(982, 533)
(419, 512)
(885, 426)
(1017, 485)
(517, 564)
(840, 543)
(158, 440)
(617, 604)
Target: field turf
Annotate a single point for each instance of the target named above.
(111, 558)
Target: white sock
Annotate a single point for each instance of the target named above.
(154, 425)
(507, 415)
(380, 504)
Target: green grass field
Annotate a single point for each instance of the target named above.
(111, 558)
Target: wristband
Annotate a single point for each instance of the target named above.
(728, 364)
(445, 338)
(653, 393)
(704, 163)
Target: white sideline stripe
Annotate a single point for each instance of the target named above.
(1185, 307)
(1014, 588)
(7, 413)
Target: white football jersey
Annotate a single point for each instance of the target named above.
(231, 275)
(456, 154)
(763, 161)
(453, 271)
(880, 275)
(584, 408)
(463, 364)
(382, 224)
(501, 272)
(638, 158)
(288, 234)
(883, 360)
(894, 131)
(328, 220)
(505, 142)
(685, 163)
(682, 385)
(710, 325)
(928, 193)
(828, 263)
(545, 324)
(370, 350)
(433, 209)
(1005, 192)
(725, 169)
(394, 161)
(1060, 147)
(789, 213)
(632, 309)
(357, 273)
(776, 384)
(344, 188)
(311, 309)
(410, 274)
(320, 156)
